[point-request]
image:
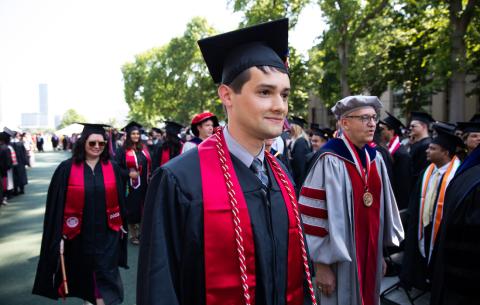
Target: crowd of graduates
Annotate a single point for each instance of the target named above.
(265, 208)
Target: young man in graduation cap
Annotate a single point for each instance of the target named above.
(420, 139)
(426, 208)
(348, 208)
(221, 221)
(401, 165)
(202, 127)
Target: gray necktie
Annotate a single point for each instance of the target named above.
(259, 171)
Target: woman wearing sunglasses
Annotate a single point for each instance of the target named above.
(84, 241)
(135, 161)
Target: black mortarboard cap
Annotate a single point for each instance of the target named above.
(447, 139)
(132, 126)
(422, 117)
(229, 54)
(468, 126)
(325, 133)
(10, 132)
(89, 128)
(448, 127)
(157, 130)
(394, 123)
(298, 120)
(173, 128)
(5, 137)
(475, 118)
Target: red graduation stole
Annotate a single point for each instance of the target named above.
(394, 145)
(132, 162)
(75, 201)
(228, 232)
(165, 156)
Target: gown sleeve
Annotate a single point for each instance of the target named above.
(323, 198)
(120, 161)
(48, 264)
(158, 275)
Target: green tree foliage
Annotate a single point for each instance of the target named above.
(258, 11)
(69, 117)
(172, 81)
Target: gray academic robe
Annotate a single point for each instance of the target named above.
(337, 248)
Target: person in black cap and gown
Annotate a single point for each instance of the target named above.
(299, 149)
(84, 218)
(20, 171)
(457, 272)
(426, 209)
(171, 147)
(5, 165)
(391, 129)
(470, 134)
(220, 224)
(419, 139)
(318, 138)
(136, 164)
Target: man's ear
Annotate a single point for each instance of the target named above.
(225, 95)
(344, 124)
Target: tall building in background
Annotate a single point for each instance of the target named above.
(43, 104)
(38, 119)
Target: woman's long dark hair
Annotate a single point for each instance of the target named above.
(129, 143)
(79, 154)
(172, 142)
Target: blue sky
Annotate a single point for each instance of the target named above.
(77, 47)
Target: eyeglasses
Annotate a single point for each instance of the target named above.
(95, 143)
(365, 118)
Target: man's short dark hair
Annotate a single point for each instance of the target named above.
(242, 78)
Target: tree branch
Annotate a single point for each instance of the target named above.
(363, 23)
(468, 14)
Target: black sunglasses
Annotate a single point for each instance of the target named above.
(94, 143)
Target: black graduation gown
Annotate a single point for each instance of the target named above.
(401, 176)
(174, 148)
(416, 270)
(298, 162)
(135, 197)
(457, 268)
(387, 159)
(418, 156)
(171, 257)
(97, 249)
(20, 173)
(5, 165)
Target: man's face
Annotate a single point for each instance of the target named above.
(385, 133)
(436, 153)
(473, 140)
(261, 106)
(417, 128)
(360, 125)
(205, 129)
(317, 142)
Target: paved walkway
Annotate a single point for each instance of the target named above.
(21, 225)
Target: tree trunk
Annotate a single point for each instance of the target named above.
(460, 17)
(344, 65)
(457, 78)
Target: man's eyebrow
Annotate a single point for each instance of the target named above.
(269, 86)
